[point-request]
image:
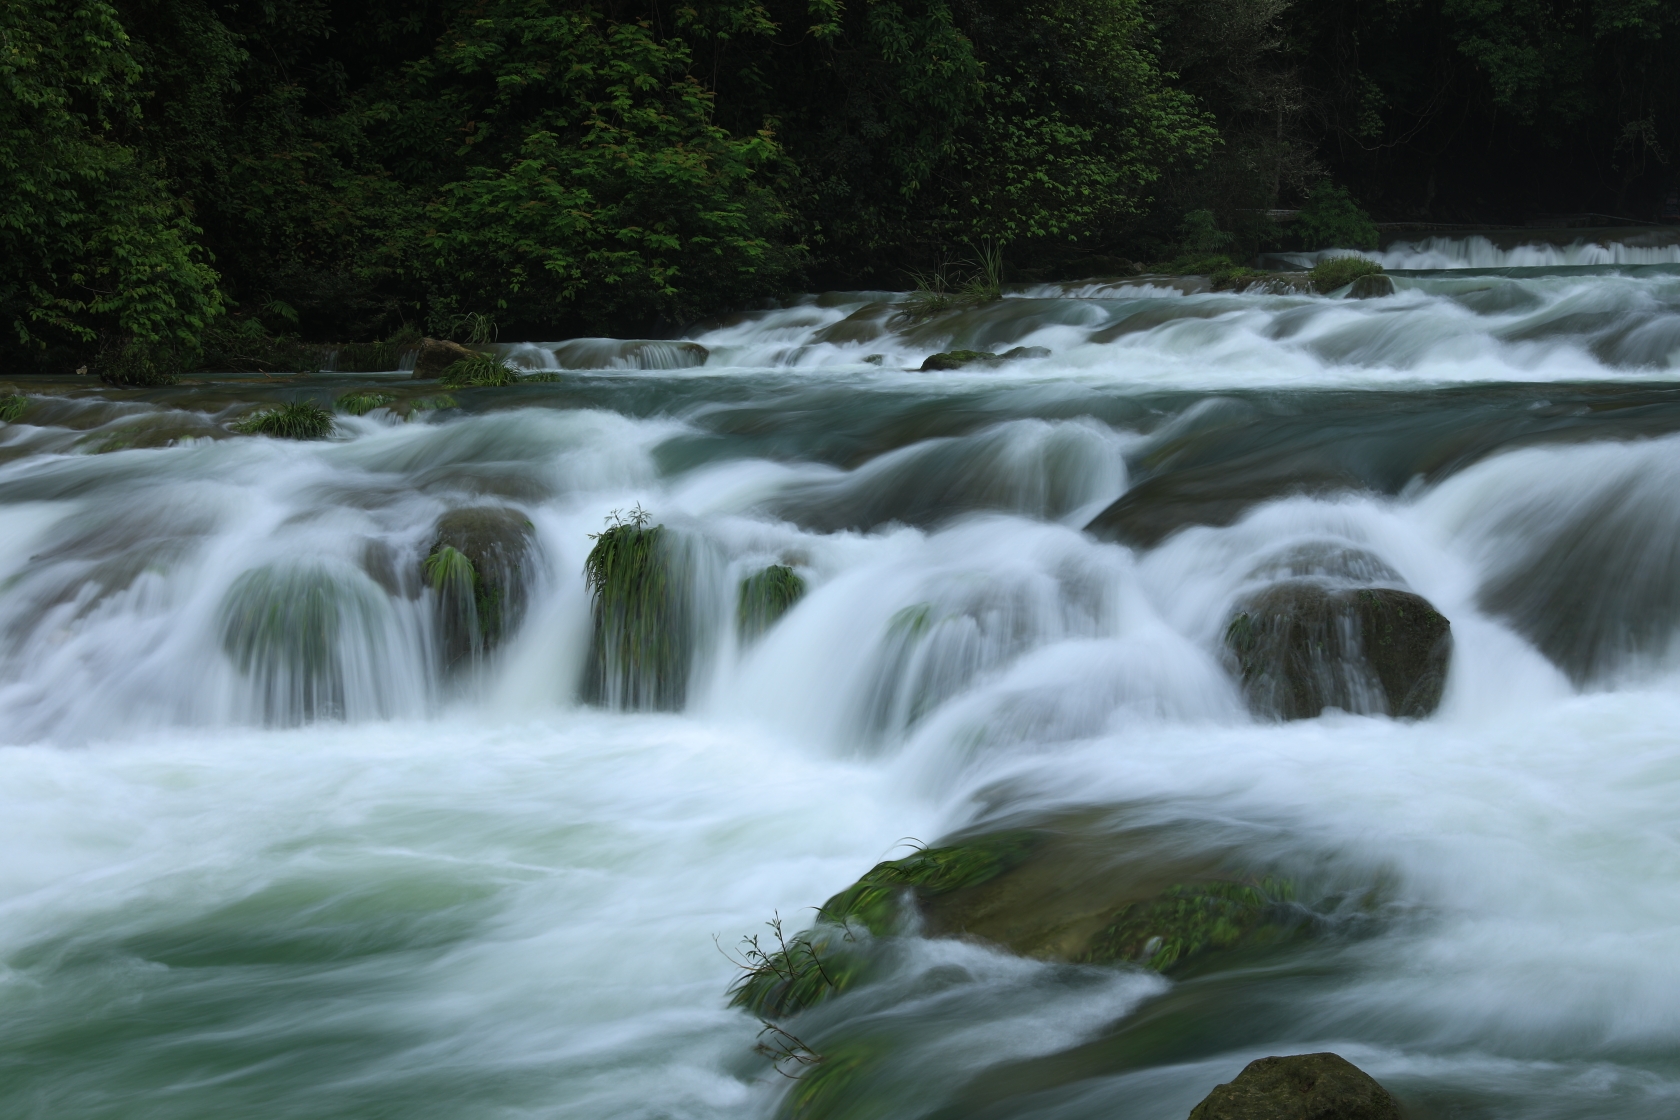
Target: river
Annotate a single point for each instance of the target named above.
(401, 888)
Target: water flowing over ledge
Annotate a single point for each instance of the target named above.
(313, 807)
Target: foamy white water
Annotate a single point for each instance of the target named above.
(338, 877)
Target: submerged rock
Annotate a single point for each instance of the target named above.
(1301, 647)
(478, 565)
(957, 359)
(764, 597)
(1299, 1087)
(1373, 286)
(436, 355)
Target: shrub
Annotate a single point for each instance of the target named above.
(1328, 275)
(1331, 219)
(297, 420)
(138, 363)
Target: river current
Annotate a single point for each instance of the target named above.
(441, 895)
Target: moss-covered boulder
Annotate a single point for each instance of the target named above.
(1371, 286)
(1046, 894)
(643, 642)
(1301, 646)
(956, 359)
(478, 567)
(1299, 1087)
(764, 597)
(436, 355)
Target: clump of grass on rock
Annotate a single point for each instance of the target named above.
(765, 597)
(296, 420)
(641, 645)
(479, 371)
(11, 407)
(1335, 272)
(360, 402)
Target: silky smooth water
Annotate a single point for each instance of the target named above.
(395, 889)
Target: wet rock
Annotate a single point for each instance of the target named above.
(1301, 647)
(1299, 1087)
(641, 653)
(436, 355)
(956, 359)
(1022, 352)
(764, 597)
(1371, 287)
(478, 565)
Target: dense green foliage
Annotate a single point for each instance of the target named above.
(188, 182)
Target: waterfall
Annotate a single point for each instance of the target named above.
(324, 792)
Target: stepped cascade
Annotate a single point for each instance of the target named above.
(424, 768)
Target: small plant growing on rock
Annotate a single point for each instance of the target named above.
(11, 407)
(1330, 274)
(765, 597)
(640, 657)
(297, 420)
(480, 371)
(478, 569)
(936, 291)
(361, 403)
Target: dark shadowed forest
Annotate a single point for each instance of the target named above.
(186, 181)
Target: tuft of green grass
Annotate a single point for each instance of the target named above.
(640, 656)
(938, 291)
(1330, 274)
(11, 407)
(481, 370)
(1234, 279)
(360, 403)
(765, 597)
(432, 404)
(296, 420)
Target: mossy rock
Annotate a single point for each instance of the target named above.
(1299, 1087)
(436, 355)
(764, 597)
(1301, 647)
(1371, 286)
(479, 567)
(956, 359)
(643, 641)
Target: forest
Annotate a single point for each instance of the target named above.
(186, 183)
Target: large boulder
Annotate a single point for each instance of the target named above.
(1301, 646)
(1299, 1087)
(478, 565)
(436, 355)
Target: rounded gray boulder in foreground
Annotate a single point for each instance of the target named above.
(1299, 1087)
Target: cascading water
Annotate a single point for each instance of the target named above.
(299, 820)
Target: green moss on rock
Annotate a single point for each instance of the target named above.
(478, 567)
(764, 597)
(1169, 931)
(1299, 1087)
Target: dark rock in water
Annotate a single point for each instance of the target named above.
(1299, 1087)
(436, 355)
(478, 565)
(1301, 647)
(1156, 508)
(956, 359)
(1374, 286)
